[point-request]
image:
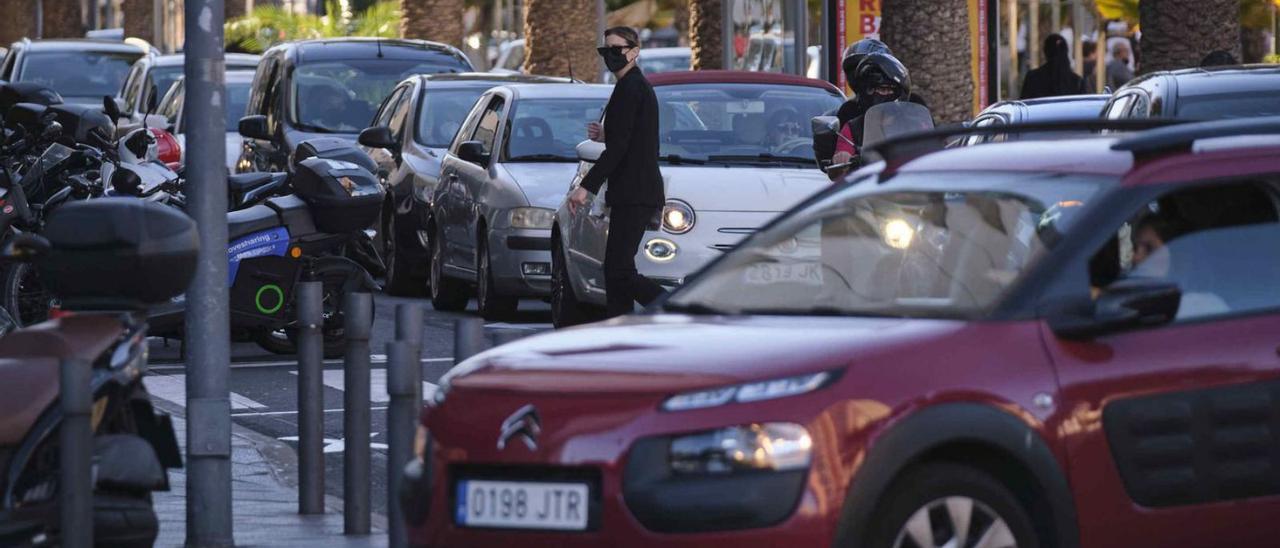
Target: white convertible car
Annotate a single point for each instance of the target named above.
(736, 150)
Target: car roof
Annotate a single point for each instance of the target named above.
(1054, 108)
(1240, 79)
(366, 48)
(1088, 155)
(231, 59)
(446, 80)
(736, 77)
(83, 44)
(570, 91)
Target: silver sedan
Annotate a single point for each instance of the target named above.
(736, 150)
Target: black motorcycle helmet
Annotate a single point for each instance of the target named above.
(855, 53)
(881, 78)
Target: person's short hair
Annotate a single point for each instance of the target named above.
(1088, 48)
(626, 33)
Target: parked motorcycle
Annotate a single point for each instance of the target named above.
(107, 260)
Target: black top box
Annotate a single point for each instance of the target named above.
(344, 197)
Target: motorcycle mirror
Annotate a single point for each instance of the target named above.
(25, 247)
(825, 125)
(53, 130)
(110, 107)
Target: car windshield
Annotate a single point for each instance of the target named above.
(342, 96)
(549, 130)
(162, 78)
(78, 73)
(1229, 105)
(936, 246)
(766, 124)
(443, 113)
(665, 63)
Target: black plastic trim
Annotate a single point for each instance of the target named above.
(528, 243)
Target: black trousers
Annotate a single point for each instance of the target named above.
(623, 285)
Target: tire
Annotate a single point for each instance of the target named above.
(400, 279)
(124, 521)
(492, 306)
(447, 294)
(939, 502)
(25, 297)
(566, 309)
(337, 283)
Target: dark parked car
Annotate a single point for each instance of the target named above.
(328, 88)
(153, 75)
(1200, 94)
(408, 139)
(82, 71)
(1048, 109)
(984, 346)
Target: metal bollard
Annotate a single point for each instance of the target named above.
(358, 311)
(310, 308)
(468, 339)
(76, 455)
(409, 326)
(404, 385)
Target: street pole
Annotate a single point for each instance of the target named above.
(93, 14)
(356, 425)
(207, 320)
(76, 453)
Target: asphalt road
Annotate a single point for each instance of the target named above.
(264, 386)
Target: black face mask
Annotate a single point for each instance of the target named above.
(613, 57)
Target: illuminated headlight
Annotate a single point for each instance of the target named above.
(749, 392)
(898, 234)
(677, 217)
(532, 217)
(775, 446)
(660, 250)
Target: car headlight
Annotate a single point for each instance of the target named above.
(776, 446)
(749, 392)
(532, 217)
(677, 217)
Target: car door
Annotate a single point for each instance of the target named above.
(448, 206)
(1172, 429)
(472, 178)
(399, 179)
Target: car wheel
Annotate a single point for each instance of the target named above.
(492, 305)
(566, 310)
(447, 294)
(400, 279)
(943, 504)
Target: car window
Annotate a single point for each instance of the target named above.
(1229, 105)
(159, 80)
(388, 107)
(983, 121)
(9, 58)
(342, 96)
(398, 115)
(740, 122)
(443, 113)
(1141, 107)
(1220, 244)
(273, 100)
(172, 103)
(261, 79)
(940, 245)
(78, 73)
(549, 129)
(1118, 107)
(515, 58)
(133, 88)
(487, 127)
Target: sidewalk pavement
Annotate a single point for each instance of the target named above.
(264, 498)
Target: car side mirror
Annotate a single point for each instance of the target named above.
(254, 127)
(473, 151)
(824, 126)
(111, 106)
(590, 151)
(25, 247)
(1135, 302)
(378, 137)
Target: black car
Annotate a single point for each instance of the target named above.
(328, 88)
(81, 70)
(408, 139)
(1200, 94)
(1046, 109)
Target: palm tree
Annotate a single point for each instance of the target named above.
(706, 34)
(931, 37)
(62, 20)
(269, 25)
(438, 20)
(560, 37)
(139, 19)
(19, 20)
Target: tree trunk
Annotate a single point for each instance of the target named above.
(931, 37)
(62, 19)
(438, 20)
(139, 19)
(560, 36)
(19, 21)
(1179, 33)
(706, 34)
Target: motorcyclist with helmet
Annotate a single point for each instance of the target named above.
(824, 148)
(878, 79)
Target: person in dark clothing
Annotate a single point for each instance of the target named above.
(1090, 51)
(880, 78)
(1218, 58)
(1054, 77)
(825, 148)
(630, 165)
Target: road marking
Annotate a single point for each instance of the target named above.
(173, 388)
(279, 413)
(338, 446)
(375, 358)
(335, 378)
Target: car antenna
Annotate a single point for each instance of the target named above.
(379, 41)
(571, 78)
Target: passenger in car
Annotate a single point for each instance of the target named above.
(1152, 258)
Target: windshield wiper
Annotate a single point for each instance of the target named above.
(818, 311)
(676, 159)
(541, 158)
(696, 309)
(312, 129)
(763, 157)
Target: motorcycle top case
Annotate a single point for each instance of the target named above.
(114, 253)
(333, 148)
(343, 197)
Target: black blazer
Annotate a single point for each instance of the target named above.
(630, 159)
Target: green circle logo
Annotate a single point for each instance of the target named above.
(273, 288)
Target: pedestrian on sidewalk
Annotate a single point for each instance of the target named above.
(1054, 77)
(630, 164)
(1118, 71)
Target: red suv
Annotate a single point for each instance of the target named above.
(1017, 344)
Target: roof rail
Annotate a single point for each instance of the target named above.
(1182, 137)
(902, 148)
